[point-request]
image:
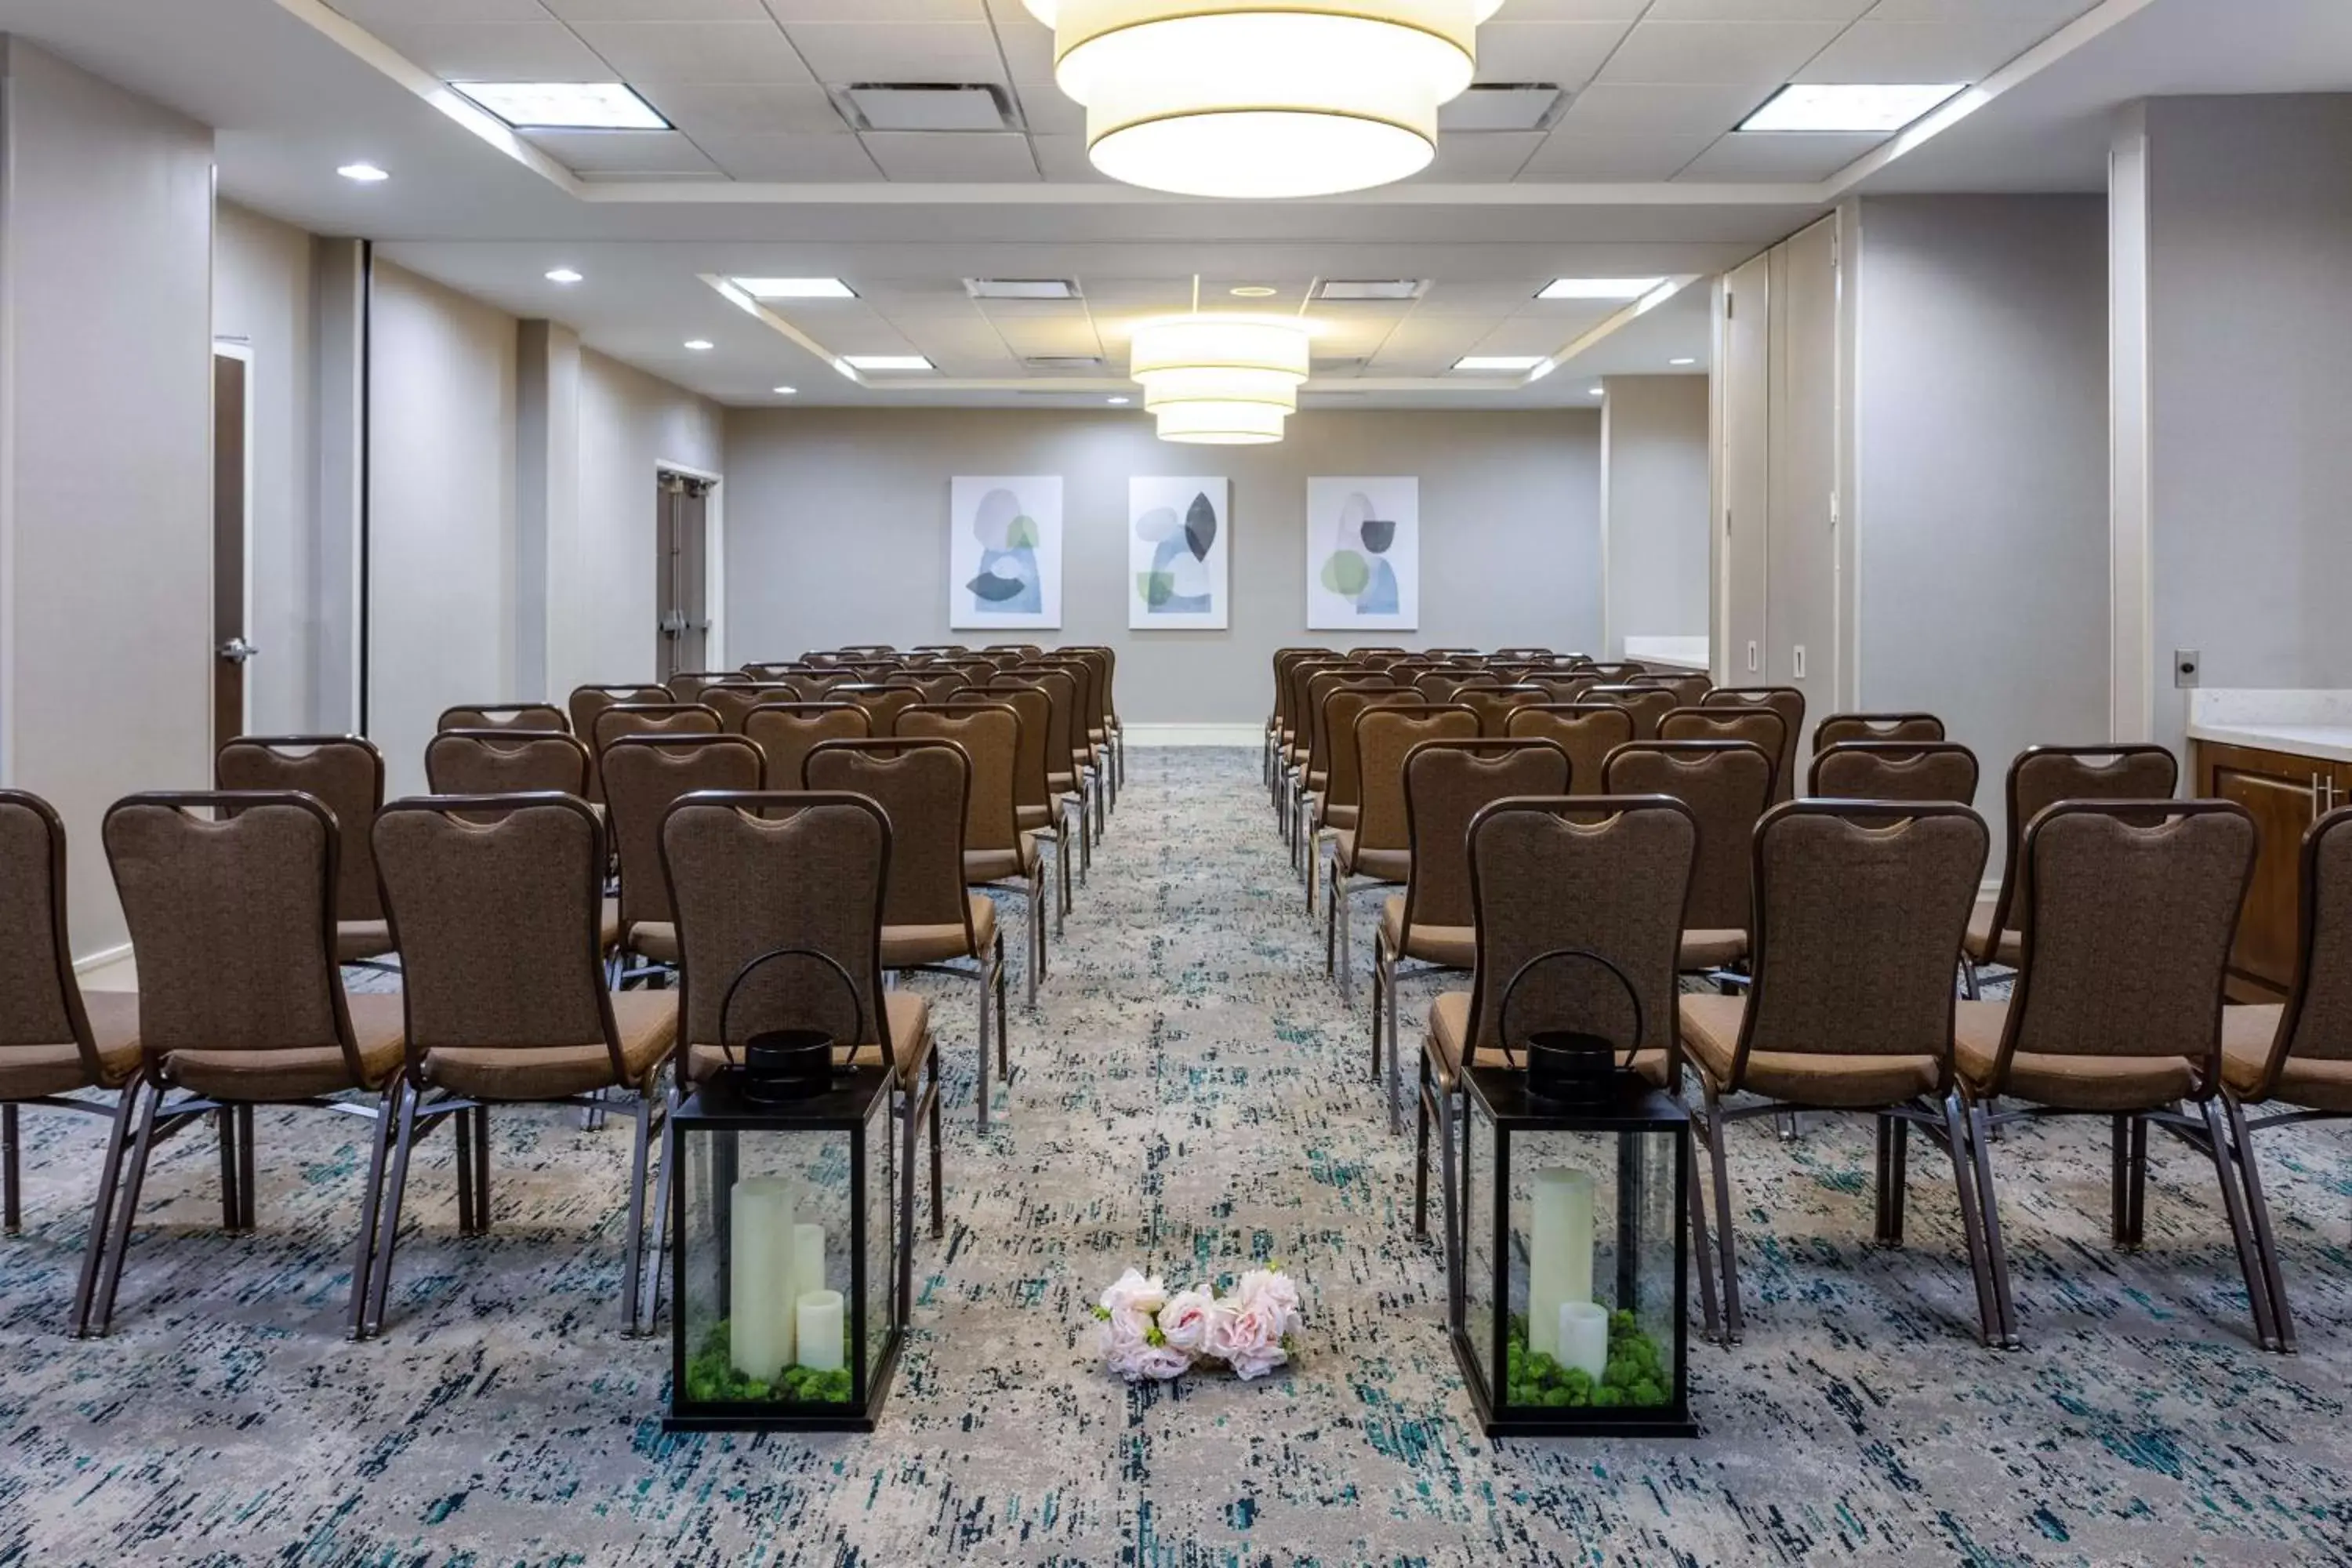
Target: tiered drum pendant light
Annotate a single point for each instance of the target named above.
(1226, 380)
(1263, 97)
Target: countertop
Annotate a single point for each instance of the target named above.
(2329, 743)
(2299, 723)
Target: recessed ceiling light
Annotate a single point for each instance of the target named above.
(366, 173)
(1840, 106)
(1682, 361)
(700, 345)
(1598, 287)
(796, 287)
(1120, 402)
(1597, 391)
(563, 275)
(1498, 361)
(887, 361)
(1252, 291)
(788, 392)
(564, 105)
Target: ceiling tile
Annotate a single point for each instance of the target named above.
(1567, 53)
(1573, 10)
(1529, 335)
(1480, 158)
(697, 51)
(922, 156)
(898, 51)
(1045, 111)
(2056, 13)
(1775, 156)
(417, 13)
(1666, 109)
(1839, 11)
(1064, 158)
(638, 152)
(1028, 44)
(787, 160)
(1872, 51)
(1758, 53)
(745, 108)
(1579, 158)
(658, 10)
(790, 11)
(496, 51)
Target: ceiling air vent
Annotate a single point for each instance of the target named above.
(1504, 106)
(1063, 365)
(1343, 290)
(1021, 288)
(927, 106)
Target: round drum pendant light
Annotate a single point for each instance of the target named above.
(1220, 380)
(1263, 97)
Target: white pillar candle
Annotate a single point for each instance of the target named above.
(820, 1330)
(1584, 1338)
(759, 1267)
(1559, 1253)
(808, 1259)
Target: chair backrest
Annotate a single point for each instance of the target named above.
(234, 922)
(1345, 783)
(1689, 691)
(1790, 704)
(505, 761)
(1894, 770)
(1759, 727)
(2134, 906)
(883, 704)
(496, 902)
(1561, 687)
(536, 717)
(628, 719)
(815, 685)
(1860, 911)
(2041, 777)
(1294, 676)
(643, 774)
(587, 701)
(1649, 705)
(1493, 705)
(1384, 737)
(1616, 672)
(1085, 677)
(1447, 784)
(40, 1000)
(688, 685)
(1603, 874)
(1727, 784)
(921, 787)
(1587, 732)
(937, 689)
(773, 871)
(1097, 663)
(770, 671)
(1320, 685)
(342, 773)
(2316, 1025)
(991, 739)
(1035, 710)
(786, 732)
(734, 701)
(1839, 729)
(1062, 699)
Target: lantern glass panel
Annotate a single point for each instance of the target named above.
(882, 1197)
(1480, 1225)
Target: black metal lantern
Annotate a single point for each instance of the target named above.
(788, 1243)
(1573, 1318)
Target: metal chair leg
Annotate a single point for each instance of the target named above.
(101, 1216)
(2259, 1211)
(1702, 1262)
(1735, 1327)
(481, 1114)
(1396, 1070)
(1959, 1141)
(939, 1185)
(1420, 1152)
(12, 1201)
(1003, 986)
(1988, 1201)
(388, 1226)
(224, 1134)
(1893, 1168)
(981, 1085)
(463, 1132)
(248, 1187)
(635, 1250)
(371, 1208)
(658, 1250)
(1450, 1177)
(2241, 1232)
(126, 1213)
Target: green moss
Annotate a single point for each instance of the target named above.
(1637, 1375)
(711, 1378)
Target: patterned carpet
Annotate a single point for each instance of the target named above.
(1194, 1096)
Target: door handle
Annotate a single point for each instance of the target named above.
(236, 650)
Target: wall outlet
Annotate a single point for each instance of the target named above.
(1799, 671)
(2188, 667)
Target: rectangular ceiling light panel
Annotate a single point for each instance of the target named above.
(564, 105)
(929, 106)
(1343, 290)
(1856, 107)
(1598, 287)
(796, 287)
(1020, 288)
(887, 361)
(1498, 363)
(1503, 106)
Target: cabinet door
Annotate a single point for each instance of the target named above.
(2285, 795)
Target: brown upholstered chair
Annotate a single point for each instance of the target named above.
(688, 685)
(498, 902)
(1091, 746)
(1071, 786)
(623, 719)
(1378, 849)
(780, 871)
(643, 774)
(1649, 705)
(54, 1040)
(2295, 1059)
(1600, 874)
(1279, 721)
(2117, 1007)
(937, 689)
(786, 732)
(1860, 909)
(1587, 732)
(1496, 704)
(1315, 772)
(1562, 687)
(241, 998)
(1036, 812)
(345, 774)
(1790, 704)
(505, 762)
(770, 672)
(1689, 691)
(587, 701)
(1727, 784)
(2040, 778)
(1894, 770)
(996, 852)
(536, 717)
(1842, 729)
(930, 922)
(816, 685)
(1759, 727)
(1340, 800)
(734, 701)
(1432, 922)
(1616, 672)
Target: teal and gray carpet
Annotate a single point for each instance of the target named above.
(1194, 1096)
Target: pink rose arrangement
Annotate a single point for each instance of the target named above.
(1151, 1334)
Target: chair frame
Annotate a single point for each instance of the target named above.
(1032, 885)
(496, 738)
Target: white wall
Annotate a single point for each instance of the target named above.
(1654, 485)
(105, 456)
(837, 531)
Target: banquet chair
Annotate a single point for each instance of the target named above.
(532, 716)
(1790, 704)
(1727, 784)
(1378, 849)
(643, 774)
(1894, 770)
(345, 774)
(1587, 732)
(997, 853)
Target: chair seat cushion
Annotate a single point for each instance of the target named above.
(1317, 782)
(1381, 865)
(904, 946)
(271, 1077)
(1002, 865)
(1832, 1079)
(2315, 1083)
(2011, 950)
(655, 940)
(29, 1071)
(910, 1042)
(645, 1020)
(1062, 783)
(1034, 818)
(1341, 816)
(1454, 947)
(2101, 1083)
(356, 940)
(1449, 1027)
(1711, 949)
(608, 926)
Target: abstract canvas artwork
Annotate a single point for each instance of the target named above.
(1004, 557)
(1177, 551)
(1363, 554)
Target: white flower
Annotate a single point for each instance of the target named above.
(1273, 1290)
(1134, 1293)
(1158, 1364)
(1184, 1321)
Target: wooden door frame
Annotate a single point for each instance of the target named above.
(714, 555)
(240, 349)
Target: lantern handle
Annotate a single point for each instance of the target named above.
(726, 1003)
(1502, 1009)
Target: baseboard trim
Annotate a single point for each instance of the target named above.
(1195, 734)
(101, 958)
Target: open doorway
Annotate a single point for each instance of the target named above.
(232, 538)
(682, 567)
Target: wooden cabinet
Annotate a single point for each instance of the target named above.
(2286, 793)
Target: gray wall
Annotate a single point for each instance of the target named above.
(837, 531)
(105, 455)
(1980, 454)
(1654, 484)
